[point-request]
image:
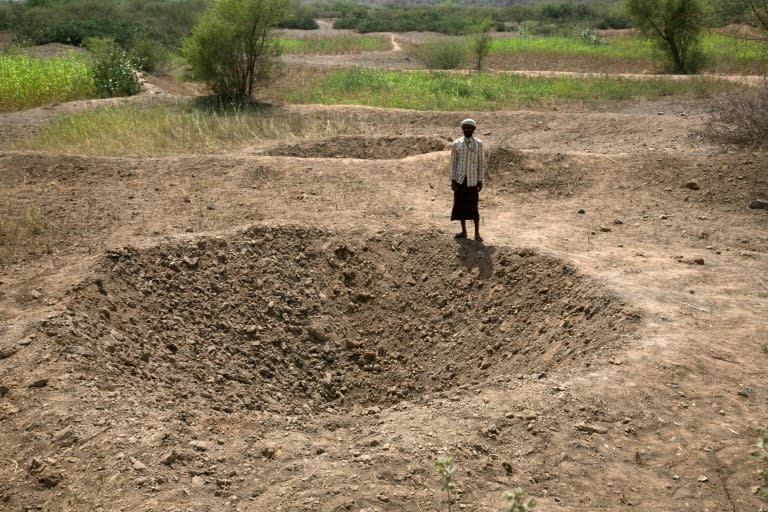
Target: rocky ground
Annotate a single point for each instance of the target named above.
(294, 327)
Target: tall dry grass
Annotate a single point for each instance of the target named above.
(165, 128)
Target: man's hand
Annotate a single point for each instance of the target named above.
(479, 186)
(454, 185)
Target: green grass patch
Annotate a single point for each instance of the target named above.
(318, 45)
(722, 54)
(619, 48)
(174, 128)
(425, 90)
(730, 55)
(27, 82)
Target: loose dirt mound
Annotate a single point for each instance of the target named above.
(515, 171)
(299, 319)
(368, 148)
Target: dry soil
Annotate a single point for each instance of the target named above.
(295, 328)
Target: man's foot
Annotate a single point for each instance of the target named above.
(478, 238)
(460, 235)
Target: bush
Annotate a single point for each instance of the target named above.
(75, 32)
(443, 53)
(743, 118)
(149, 55)
(301, 17)
(232, 46)
(114, 73)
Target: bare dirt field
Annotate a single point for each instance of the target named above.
(294, 328)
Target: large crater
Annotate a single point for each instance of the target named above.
(291, 318)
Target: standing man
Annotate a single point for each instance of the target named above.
(467, 172)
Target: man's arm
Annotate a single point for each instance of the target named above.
(481, 167)
(452, 166)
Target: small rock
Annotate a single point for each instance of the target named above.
(7, 352)
(663, 217)
(703, 478)
(581, 211)
(200, 446)
(49, 480)
(169, 457)
(591, 429)
(4, 391)
(675, 477)
(39, 383)
(759, 204)
(692, 185)
(138, 465)
(618, 222)
(66, 437)
(605, 229)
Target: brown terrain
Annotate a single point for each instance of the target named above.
(292, 327)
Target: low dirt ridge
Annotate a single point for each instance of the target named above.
(294, 319)
(368, 148)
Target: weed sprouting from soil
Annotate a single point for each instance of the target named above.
(762, 455)
(446, 468)
(516, 501)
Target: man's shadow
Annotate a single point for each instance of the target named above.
(476, 255)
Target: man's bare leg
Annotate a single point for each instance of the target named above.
(463, 233)
(477, 230)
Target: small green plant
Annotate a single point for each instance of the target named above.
(516, 501)
(446, 468)
(114, 73)
(589, 37)
(762, 455)
(524, 30)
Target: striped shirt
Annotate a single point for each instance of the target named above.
(467, 160)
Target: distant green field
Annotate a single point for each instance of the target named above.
(425, 90)
(27, 82)
(335, 44)
(722, 54)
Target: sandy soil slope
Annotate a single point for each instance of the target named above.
(294, 328)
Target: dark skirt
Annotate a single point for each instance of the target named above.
(465, 202)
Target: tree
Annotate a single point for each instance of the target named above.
(760, 10)
(232, 46)
(481, 44)
(675, 25)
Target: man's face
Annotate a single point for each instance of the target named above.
(468, 130)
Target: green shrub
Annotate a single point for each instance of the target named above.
(149, 55)
(443, 53)
(114, 73)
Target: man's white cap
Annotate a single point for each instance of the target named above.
(470, 122)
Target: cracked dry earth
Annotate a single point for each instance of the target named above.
(294, 328)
